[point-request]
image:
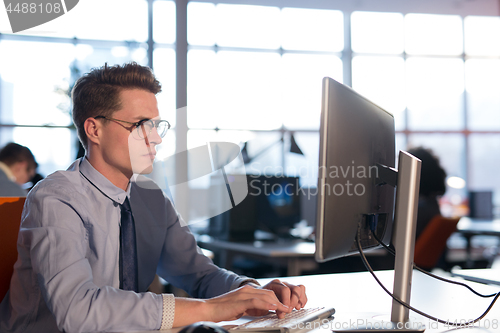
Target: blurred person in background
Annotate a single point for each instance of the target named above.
(17, 167)
(432, 186)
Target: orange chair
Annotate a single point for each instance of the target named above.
(10, 219)
(432, 241)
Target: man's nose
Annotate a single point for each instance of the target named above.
(154, 137)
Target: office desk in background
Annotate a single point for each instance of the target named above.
(298, 256)
(295, 255)
(474, 227)
(470, 228)
(486, 276)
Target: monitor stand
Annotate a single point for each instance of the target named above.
(403, 238)
(404, 232)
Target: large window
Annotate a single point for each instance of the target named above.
(39, 67)
(263, 80)
(254, 75)
(435, 73)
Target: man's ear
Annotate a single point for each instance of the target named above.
(93, 130)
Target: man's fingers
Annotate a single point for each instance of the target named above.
(298, 297)
(294, 300)
(273, 296)
(303, 297)
(295, 293)
(283, 292)
(256, 312)
(260, 304)
(280, 314)
(246, 300)
(283, 295)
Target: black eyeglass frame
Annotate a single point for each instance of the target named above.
(140, 124)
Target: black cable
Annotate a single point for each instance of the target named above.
(408, 306)
(391, 251)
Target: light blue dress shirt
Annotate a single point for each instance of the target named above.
(66, 277)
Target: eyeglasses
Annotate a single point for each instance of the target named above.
(145, 126)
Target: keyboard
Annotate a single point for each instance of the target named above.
(295, 320)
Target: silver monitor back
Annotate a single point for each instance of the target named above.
(356, 138)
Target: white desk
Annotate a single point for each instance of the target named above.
(355, 295)
(486, 276)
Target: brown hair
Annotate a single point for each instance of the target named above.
(97, 93)
(13, 153)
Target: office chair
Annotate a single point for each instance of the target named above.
(11, 209)
(432, 241)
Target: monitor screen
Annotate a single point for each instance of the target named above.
(356, 138)
(277, 202)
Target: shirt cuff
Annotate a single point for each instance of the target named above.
(167, 320)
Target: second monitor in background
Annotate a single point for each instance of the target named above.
(481, 204)
(273, 205)
(277, 203)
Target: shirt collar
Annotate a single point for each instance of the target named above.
(102, 183)
(7, 171)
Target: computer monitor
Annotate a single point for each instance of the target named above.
(272, 205)
(356, 137)
(277, 203)
(356, 185)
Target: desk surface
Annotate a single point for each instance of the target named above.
(470, 226)
(274, 249)
(486, 276)
(278, 249)
(357, 295)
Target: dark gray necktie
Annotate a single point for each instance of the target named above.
(128, 250)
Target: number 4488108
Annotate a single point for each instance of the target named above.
(34, 8)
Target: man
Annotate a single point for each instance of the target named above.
(82, 268)
(17, 167)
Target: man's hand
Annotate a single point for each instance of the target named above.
(250, 300)
(289, 294)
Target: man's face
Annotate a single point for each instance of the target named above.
(122, 147)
